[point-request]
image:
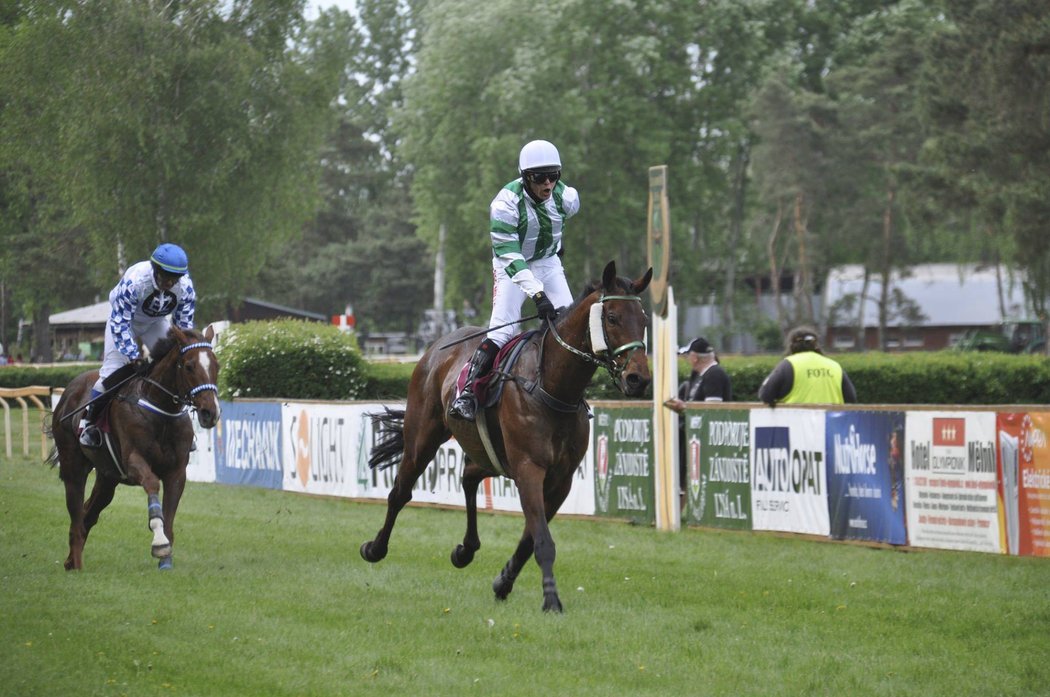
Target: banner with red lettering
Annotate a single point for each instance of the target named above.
(950, 481)
(1024, 482)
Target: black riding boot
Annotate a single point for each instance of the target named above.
(466, 404)
(89, 433)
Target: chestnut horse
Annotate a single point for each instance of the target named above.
(538, 430)
(148, 441)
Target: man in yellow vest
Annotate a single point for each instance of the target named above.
(806, 375)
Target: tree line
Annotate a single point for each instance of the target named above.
(313, 163)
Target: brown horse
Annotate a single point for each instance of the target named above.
(538, 430)
(149, 438)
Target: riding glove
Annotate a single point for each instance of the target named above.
(544, 307)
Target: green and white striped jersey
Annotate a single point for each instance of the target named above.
(523, 230)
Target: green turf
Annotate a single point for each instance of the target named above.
(269, 596)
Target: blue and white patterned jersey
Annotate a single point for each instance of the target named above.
(523, 230)
(137, 303)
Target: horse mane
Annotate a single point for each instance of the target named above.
(624, 284)
(165, 346)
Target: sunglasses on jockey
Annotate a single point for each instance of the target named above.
(541, 177)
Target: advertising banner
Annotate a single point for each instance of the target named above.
(788, 474)
(951, 481)
(201, 465)
(322, 446)
(248, 444)
(1024, 482)
(623, 471)
(718, 468)
(866, 475)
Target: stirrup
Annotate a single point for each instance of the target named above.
(91, 437)
(464, 407)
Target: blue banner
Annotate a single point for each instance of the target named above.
(248, 445)
(865, 460)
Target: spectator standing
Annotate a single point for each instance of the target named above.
(708, 382)
(526, 222)
(806, 375)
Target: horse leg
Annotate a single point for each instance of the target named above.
(536, 537)
(463, 554)
(101, 496)
(140, 471)
(174, 485)
(504, 582)
(420, 448)
(75, 480)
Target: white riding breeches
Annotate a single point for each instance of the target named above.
(507, 297)
(148, 334)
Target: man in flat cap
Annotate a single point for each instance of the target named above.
(708, 382)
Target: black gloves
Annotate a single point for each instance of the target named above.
(142, 366)
(544, 307)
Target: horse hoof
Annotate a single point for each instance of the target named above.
(462, 556)
(552, 604)
(501, 587)
(160, 551)
(164, 564)
(369, 554)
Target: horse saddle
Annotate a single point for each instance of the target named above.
(489, 387)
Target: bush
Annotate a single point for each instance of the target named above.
(290, 359)
(944, 377)
(26, 375)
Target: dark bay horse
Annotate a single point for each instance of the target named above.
(149, 439)
(539, 429)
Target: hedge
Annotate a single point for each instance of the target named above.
(945, 377)
(290, 359)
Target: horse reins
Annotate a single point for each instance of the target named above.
(185, 402)
(609, 360)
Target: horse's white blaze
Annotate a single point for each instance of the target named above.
(205, 361)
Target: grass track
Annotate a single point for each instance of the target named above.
(270, 597)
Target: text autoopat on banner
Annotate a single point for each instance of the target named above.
(788, 482)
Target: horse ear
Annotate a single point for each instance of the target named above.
(609, 275)
(642, 283)
(209, 333)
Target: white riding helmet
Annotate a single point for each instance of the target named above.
(539, 154)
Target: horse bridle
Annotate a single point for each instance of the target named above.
(597, 322)
(187, 400)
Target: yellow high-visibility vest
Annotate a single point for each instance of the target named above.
(818, 380)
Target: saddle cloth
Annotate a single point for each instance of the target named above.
(505, 358)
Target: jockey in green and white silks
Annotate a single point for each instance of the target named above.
(526, 238)
(527, 219)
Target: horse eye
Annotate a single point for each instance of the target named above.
(613, 318)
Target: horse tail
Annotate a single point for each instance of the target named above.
(391, 442)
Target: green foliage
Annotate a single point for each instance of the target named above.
(268, 596)
(290, 359)
(388, 380)
(944, 377)
(129, 123)
(27, 375)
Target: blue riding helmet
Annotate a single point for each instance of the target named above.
(171, 258)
